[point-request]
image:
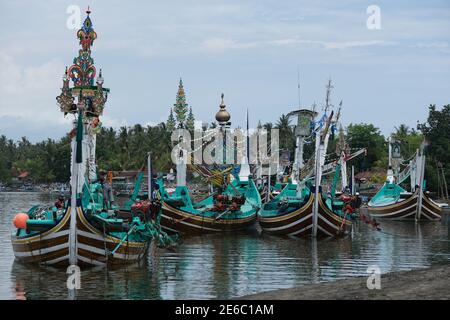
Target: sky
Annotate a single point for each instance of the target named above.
(249, 50)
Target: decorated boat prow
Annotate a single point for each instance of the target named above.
(85, 229)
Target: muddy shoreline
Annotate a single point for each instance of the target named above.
(427, 283)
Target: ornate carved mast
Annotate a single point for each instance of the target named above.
(86, 101)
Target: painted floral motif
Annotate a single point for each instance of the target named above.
(83, 71)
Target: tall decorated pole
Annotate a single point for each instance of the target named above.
(223, 119)
(320, 151)
(85, 100)
(302, 130)
(420, 162)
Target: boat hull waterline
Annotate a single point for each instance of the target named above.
(299, 223)
(174, 220)
(94, 247)
(406, 209)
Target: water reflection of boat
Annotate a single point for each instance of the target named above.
(133, 281)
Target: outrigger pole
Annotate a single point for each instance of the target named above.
(298, 86)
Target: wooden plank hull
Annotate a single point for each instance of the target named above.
(299, 223)
(93, 246)
(174, 220)
(406, 209)
(50, 247)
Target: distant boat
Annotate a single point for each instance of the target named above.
(394, 202)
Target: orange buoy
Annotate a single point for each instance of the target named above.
(20, 220)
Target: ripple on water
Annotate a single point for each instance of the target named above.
(224, 266)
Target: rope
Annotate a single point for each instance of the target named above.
(123, 239)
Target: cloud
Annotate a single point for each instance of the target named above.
(145, 52)
(440, 46)
(107, 121)
(28, 92)
(28, 99)
(221, 45)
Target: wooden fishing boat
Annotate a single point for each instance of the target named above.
(231, 207)
(232, 210)
(94, 245)
(50, 246)
(404, 206)
(86, 229)
(301, 209)
(395, 203)
(287, 215)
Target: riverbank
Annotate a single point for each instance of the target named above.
(428, 283)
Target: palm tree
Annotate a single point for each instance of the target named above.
(285, 132)
(268, 126)
(401, 132)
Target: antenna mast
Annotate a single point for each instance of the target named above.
(327, 98)
(298, 86)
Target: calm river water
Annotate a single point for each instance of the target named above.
(225, 266)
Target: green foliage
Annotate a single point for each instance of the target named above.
(410, 140)
(45, 161)
(367, 136)
(181, 107)
(127, 147)
(190, 121)
(49, 160)
(437, 133)
(378, 178)
(286, 136)
(171, 122)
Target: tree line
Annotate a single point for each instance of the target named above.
(126, 148)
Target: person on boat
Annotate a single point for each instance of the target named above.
(155, 187)
(108, 197)
(59, 203)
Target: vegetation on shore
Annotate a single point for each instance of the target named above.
(126, 148)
